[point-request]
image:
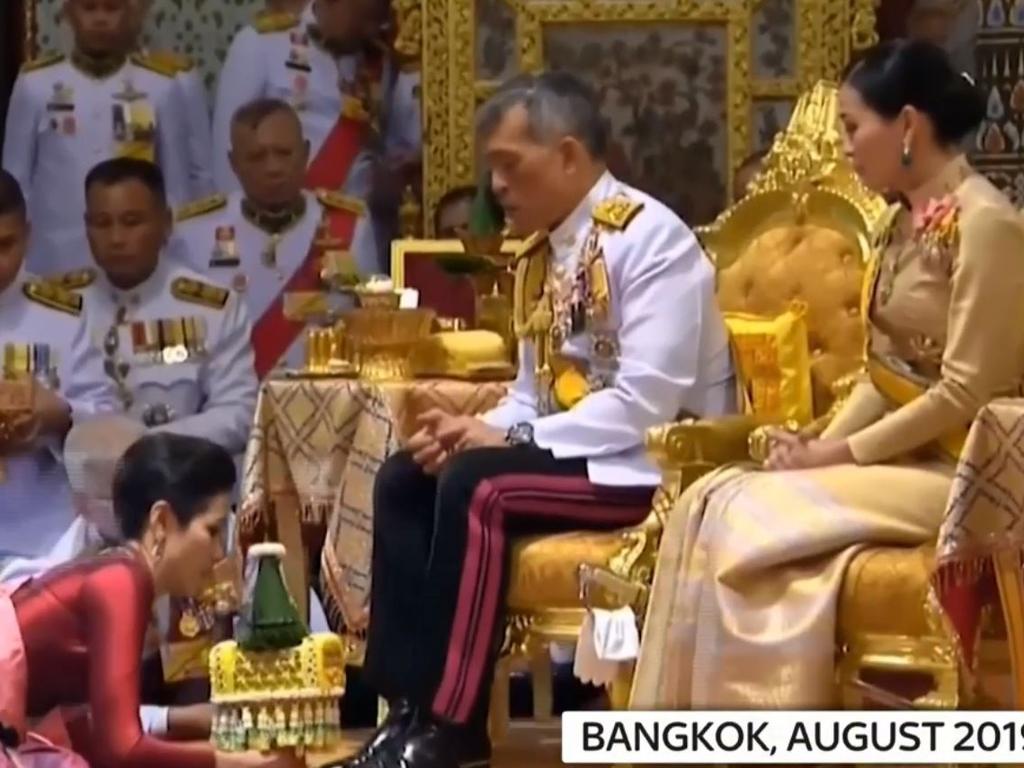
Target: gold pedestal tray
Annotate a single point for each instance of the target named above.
(278, 699)
(382, 340)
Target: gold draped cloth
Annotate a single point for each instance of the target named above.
(744, 602)
(313, 453)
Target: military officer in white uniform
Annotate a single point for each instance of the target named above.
(268, 241)
(176, 346)
(194, 96)
(359, 111)
(621, 333)
(69, 112)
(42, 334)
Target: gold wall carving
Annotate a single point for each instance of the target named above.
(756, 98)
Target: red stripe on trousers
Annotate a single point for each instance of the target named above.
(273, 334)
(572, 499)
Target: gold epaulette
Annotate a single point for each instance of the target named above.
(53, 296)
(179, 62)
(198, 292)
(339, 202)
(75, 280)
(266, 22)
(44, 61)
(153, 64)
(531, 245)
(200, 206)
(616, 212)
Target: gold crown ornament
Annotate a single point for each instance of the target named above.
(276, 686)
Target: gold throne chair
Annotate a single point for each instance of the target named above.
(804, 234)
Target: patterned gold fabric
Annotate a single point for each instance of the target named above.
(315, 448)
(984, 517)
(545, 568)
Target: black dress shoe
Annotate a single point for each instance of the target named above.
(400, 717)
(429, 744)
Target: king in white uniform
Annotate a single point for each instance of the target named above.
(67, 114)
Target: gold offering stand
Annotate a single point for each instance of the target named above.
(492, 273)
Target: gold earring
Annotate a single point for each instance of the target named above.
(905, 157)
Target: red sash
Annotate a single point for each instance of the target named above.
(273, 333)
(333, 162)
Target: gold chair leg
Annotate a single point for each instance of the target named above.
(621, 687)
(499, 712)
(541, 674)
(1011, 595)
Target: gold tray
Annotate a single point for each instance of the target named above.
(505, 372)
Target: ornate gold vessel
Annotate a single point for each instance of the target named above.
(382, 339)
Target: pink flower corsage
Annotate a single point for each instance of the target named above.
(937, 229)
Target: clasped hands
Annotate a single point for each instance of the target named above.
(441, 435)
(794, 451)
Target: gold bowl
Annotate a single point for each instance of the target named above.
(382, 340)
(378, 299)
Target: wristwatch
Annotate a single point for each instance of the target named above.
(520, 434)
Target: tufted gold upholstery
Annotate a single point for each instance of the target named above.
(545, 568)
(901, 576)
(823, 268)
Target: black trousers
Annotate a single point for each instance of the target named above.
(441, 558)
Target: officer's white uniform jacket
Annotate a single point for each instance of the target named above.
(211, 393)
(259, 284)
(264, 64)
(60, 123)
(35, 499)
(673, 345)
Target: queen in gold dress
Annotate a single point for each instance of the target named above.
(743, 608)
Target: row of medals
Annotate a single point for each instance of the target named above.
(225, 253)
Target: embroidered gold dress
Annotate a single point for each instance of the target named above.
(743, 609)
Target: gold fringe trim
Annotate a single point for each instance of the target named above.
(312, 723)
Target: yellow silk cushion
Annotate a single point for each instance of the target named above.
(885, 592)
(544, 568)
(818, 266)
(461, 353)
(773, 363)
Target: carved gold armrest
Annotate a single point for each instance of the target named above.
(702, 443)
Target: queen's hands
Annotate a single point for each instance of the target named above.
(794, 451)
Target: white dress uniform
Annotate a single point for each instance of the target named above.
(197, 113)
(208, 232)
(43, 332)
(664, 348)
(277, 56)
(178, 350)
(62, 121)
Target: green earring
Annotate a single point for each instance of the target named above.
(905, 157)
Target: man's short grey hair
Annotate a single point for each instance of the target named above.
(557, 104)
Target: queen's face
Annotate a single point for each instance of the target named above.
(873, 144)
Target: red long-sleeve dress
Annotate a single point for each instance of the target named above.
(83, 627)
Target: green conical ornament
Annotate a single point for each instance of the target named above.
(483, 239)
(269, 620)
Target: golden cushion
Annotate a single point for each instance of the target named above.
(773, 363)
(461, 353)
(544, 568)
(885, 592)
(818, 266)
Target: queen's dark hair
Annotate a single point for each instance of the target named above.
(186, 472)
(901, 73)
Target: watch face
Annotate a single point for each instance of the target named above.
(521, 434)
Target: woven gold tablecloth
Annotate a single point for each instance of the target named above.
(314, 451)
(984, 517)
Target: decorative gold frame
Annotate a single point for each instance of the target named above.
(403, 249)
(827, 31)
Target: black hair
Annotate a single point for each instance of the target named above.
(556, 103)
(754, 158)
(901, 73)
(253, 113)
(12, 200)
(121, 169)
(453, 195)
(186, 472)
